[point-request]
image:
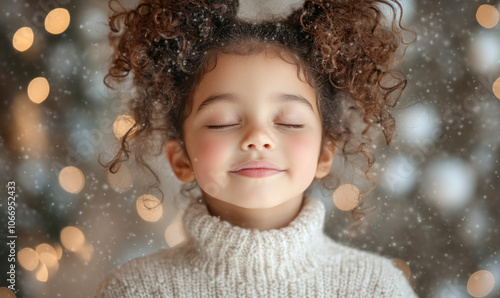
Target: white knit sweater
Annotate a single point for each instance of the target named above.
(221, 260)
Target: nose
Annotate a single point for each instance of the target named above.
(258, 138)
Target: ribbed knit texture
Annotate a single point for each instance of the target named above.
(222, 260)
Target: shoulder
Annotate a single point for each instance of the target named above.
(146, 276)
(391, 281)
(375, 275)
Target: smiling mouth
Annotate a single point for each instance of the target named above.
(257, 169)
(256, 172)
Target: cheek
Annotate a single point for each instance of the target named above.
(208, 153)
(210, 157)
(304, 150)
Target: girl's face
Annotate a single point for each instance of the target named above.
(253, 136)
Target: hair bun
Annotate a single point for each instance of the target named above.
(355, 43)
(163, 35)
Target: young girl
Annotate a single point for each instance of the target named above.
(252, 113)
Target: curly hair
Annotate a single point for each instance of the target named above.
(345, 48)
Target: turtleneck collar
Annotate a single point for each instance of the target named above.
(224, 250)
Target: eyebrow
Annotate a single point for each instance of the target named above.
(233, 98)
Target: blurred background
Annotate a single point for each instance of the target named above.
(438, 197)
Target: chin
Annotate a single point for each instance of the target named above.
(254, 201)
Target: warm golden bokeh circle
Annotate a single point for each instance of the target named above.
(175, 233)
(57, 21)
(58, 249)
(42, 274)
(6, 293)
(481, 283)
(72, 238)
(122, 125)
(23, 39)
(496, 88)
(45, 248)
(487, 16)
(149, 208)
(346, 197)
(49, 260)
(71, 179)
(38, 89)
(28, 258)
(403, 266)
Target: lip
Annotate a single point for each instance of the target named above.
(257, 169)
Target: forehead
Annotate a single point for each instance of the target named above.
(235, 66)
(256, 74)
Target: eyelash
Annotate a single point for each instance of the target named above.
(219, 127)
(294, 126)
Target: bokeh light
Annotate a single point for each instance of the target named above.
(403, 266)
(175, 233)
(71, 179)
(496, 88)
(23, 39)
(49, 260)
(45, 248)
(57, 21)
(51, 263)
(449, 183)
(58, 249)
(484, 49)
(72, 238)
(346, 197)
(42, 274)
(120, 181)
(487, 16)
(417, 123)
(492, 264)
(122, 124)
(6, 293)
(28, 258)
(29, 134)
(149, 208)
(38, 89)
(480, 283)
(399, 175)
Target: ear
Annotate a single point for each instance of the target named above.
(178, 161)
(325, 159)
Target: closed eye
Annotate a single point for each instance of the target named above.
(226, 126)
(294, 126)
(219, 127)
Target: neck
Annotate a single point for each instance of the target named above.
(262, 219)
(285, 254)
